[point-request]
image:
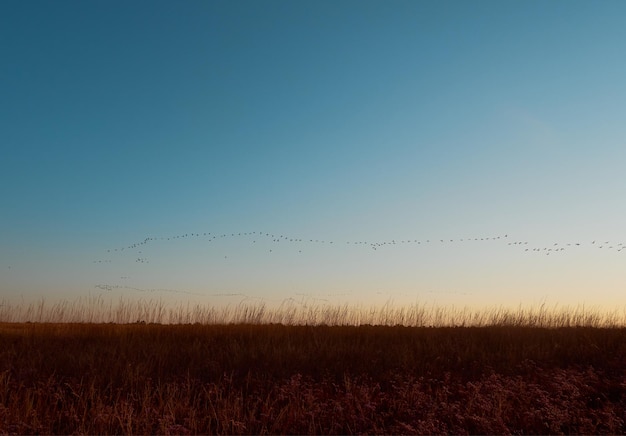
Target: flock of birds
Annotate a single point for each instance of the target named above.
(136, 249)
(373, 245)
(275, 238)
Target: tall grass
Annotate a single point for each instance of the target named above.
(291, 312)
(280, 379)
(94, 366)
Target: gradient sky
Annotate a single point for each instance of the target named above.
(336, 121)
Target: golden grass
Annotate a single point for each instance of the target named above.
(94, 367)
(279, 379)
(291, 312)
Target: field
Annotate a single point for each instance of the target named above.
(235, 371)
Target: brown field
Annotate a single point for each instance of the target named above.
(499, 372)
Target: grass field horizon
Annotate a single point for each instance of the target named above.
(97, 309)
(312, 217)
(95, 366)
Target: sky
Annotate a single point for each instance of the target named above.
(466, 153)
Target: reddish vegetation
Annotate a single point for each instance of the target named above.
(259, 379)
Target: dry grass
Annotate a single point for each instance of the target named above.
(509, 374)
(292, 312)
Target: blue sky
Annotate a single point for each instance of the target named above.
(342, 121)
